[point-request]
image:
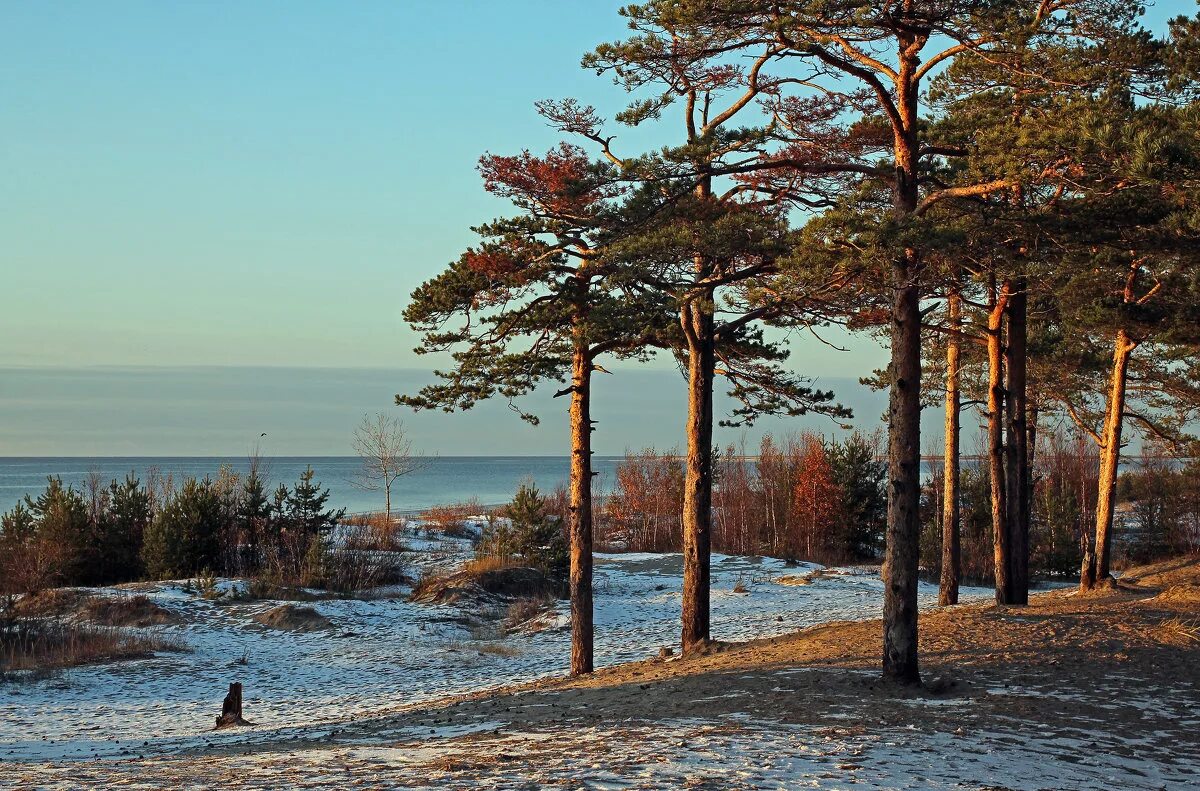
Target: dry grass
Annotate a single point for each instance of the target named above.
(432, 579)
(499, 649)
(1181, 630)
(137, 611)
(450, 520)
(293, 618)
(36, 648)
(428, 581)
(260, 589)
(486, 563)
(524, 610)
(50, 603)
(485, 648)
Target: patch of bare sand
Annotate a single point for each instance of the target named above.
(1070, 691)
(293, 618)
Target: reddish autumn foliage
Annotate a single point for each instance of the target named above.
(561, 183)
(784, 503)
(817, 505)
(491, 261)
(642, 514)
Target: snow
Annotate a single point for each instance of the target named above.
(386, 653)
(735, 751)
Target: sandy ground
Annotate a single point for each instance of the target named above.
(1097, 691)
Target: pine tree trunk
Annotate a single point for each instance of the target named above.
(951, 526)
(581, 513)
(902, 551)
(1016, 453)
(1096, 566)
(1031, 430)
(995, 407)
(697, 320)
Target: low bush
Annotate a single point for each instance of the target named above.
(353, 570)
(375, 535)
(452, 520)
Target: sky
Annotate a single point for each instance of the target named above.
(260, 186)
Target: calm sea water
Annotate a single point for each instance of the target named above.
(450, 479)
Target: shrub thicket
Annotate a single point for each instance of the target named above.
(101, 534)
(801, 497)
(1066, 469)
(1163, 517)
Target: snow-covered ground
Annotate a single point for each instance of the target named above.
(388, 652)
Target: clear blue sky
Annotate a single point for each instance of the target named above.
(230, 182)
(263, 183)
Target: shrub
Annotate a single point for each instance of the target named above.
(184, 536)
(373, 532)
(451, 520)
(1064, 502)
(1164, 508)
(29, 561)
(803, 506)
(861, 478)
(801, 497)
(975, 513)
(529, 533)
(525, 609)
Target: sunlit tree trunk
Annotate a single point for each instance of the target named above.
(581, 512)
(951, 530)
(1096, 563)
(995, 408)
(697, 320)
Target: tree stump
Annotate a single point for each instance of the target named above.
(231, 708)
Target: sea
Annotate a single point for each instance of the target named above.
(441, 480)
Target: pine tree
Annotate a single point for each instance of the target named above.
(63, 523)
(305, 504)
(540, 299)
(1129, 294)
(715, 248)
(861, 479)
(535, 535)
(129, 514)
(183, 538)
(847, 132)
(254, 513)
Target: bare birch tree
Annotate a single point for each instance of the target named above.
(386, 452)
